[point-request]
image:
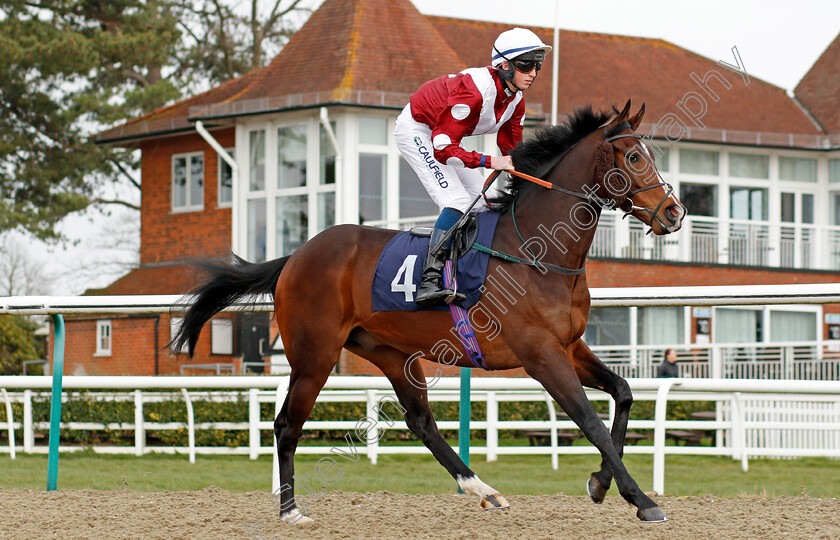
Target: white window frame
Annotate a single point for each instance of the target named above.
(221, 337)
(189, 207)
(175, 325)
(104, 327)
(220, 164)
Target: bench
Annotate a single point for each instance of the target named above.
(691, 437)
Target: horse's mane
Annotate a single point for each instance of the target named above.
(532, 155)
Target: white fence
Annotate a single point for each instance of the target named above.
(754, 418)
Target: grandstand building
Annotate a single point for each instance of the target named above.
(310, 136)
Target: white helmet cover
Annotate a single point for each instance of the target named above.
(515, 42)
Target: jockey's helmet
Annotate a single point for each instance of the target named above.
(519, 44)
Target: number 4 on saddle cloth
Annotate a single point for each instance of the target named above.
(400, 267)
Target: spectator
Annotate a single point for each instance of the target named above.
(669, 367)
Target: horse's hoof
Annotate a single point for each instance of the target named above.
(596, 491)
(654, 514)
(494, 502)
(296, 518)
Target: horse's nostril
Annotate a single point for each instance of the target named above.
(675, 212)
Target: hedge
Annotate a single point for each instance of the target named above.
(84, 407)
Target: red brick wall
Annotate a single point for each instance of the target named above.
(132, 349)
(166, 236)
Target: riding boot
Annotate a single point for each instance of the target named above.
(431, 290)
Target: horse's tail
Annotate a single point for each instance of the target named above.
(226, 283)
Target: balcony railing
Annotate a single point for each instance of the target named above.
(705, 240)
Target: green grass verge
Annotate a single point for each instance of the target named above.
(684, 475)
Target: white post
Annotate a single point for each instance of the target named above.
(282, 390)
(139, 427)
(552, 418)
(659, 435)
(190, 424)
(11, 420)
(253, 423)
(492, 430)
(28, 428)
(738, 425)
(372, 434)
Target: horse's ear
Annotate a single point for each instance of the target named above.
(637, 120)
(624, 114)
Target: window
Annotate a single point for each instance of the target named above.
(835, 207)
(699, 162)
(660, 325)
(256, 157)
(373, 131)
(291, 157)
(292, 224)
(256, 230)
(738, 325)
(700, 199)
(188, 182)
(807, 208)
(834, 170)
(372, 187)
(414, 199)
(662, 160)
(788, 207)
(608, 326)
(798, 169)
(175, 325)
(749, 165)
(748, 203)
(225, 189)
(327, 157)
(793, 326)
(103, 338)
(221, 335)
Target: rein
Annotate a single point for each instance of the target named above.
(610, 135)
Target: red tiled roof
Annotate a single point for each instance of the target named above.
(819, 89)
(376, 52)
(176, 279)
(605, 69)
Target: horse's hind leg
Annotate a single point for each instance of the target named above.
(593, 373)
(305, 384)
(409, 384)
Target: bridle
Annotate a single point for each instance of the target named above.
(611, 133)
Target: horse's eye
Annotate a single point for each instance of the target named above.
(633, 158)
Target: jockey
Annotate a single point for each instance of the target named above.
(443, 111)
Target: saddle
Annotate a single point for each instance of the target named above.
(462, 239)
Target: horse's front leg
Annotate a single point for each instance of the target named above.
(551, 366)
(593, 373)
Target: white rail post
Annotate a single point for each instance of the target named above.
(11, 420)
(372, 434)
(739, 418)
(254, 423)
(190, 423)
(280, 396)
(552, 418)
(28, 428)
(492, 429)
(659, 435)
(139, 426)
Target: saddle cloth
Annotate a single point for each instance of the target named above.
(400, 268)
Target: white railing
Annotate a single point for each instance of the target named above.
(704, 240)
(798, 360)
(755, 418)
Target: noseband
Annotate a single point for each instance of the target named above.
(613, 134)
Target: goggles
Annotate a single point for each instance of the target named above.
(526, 66)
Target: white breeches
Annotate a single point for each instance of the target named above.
(453, 187)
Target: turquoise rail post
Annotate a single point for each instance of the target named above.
(464, 418)
(55, 405)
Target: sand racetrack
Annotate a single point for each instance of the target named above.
(216, 513)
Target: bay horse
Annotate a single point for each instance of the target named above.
(322, 296)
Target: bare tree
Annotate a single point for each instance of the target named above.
(21, 273)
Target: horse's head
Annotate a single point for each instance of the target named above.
(625, 169)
